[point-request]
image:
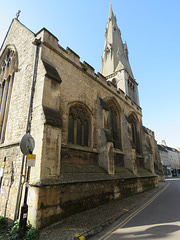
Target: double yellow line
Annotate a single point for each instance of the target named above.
(108, 234)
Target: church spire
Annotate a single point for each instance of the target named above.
(115, 59)
(115, 53)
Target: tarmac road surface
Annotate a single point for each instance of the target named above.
(158, 218)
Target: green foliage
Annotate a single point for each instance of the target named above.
(84, 67)
(4, 228)
(15, 230)
(12, 233)
(31, 232)
(2, 222)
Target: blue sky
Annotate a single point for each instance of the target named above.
(151, 30)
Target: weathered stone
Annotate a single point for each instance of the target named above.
(90, 144)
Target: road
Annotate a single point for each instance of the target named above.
(158, 218)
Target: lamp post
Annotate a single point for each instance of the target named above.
(27, 145)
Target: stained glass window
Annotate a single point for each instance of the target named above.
(78, 127)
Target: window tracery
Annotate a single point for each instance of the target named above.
(115, 124)
(78, 126)
(8, 66)
(133, 132)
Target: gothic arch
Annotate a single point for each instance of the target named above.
(79, 124)
(115, 121)
(114, 102)
(8, 67)
(134, 131)
(8, 61)
(132, 115)
(70, 104)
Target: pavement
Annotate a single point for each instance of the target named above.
(88, 223)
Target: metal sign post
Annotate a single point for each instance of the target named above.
(27, 145)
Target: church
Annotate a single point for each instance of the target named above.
(90, 144)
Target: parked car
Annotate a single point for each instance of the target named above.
(174, 172)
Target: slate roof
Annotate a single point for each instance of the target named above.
(161, 148)
(166, 148)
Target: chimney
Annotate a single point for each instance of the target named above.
(163, 142)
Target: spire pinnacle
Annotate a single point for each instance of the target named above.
(110, 12)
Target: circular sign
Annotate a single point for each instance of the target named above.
(27, 144)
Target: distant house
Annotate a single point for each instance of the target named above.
(170, 158)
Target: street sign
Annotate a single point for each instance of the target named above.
(31, 159)
(27, 144)
(2, 164)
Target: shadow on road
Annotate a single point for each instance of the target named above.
(147, 232)
(160, 219)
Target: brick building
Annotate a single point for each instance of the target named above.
(90, 144)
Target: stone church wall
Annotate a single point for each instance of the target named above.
(61, 200)
(61, 82)
(81, 85)
(17, 117)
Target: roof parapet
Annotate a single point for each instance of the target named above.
(73, 56)
(88, 68)
(47, 37)
(52, 42)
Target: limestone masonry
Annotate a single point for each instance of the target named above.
(90, 144)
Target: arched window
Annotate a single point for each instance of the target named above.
(134, 133)
(115, 123)
(78, 126)
(8, 66)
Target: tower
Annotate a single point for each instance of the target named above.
(115, 64)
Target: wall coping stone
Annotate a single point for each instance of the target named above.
(51, 182)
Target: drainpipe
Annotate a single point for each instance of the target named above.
(37, 43)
